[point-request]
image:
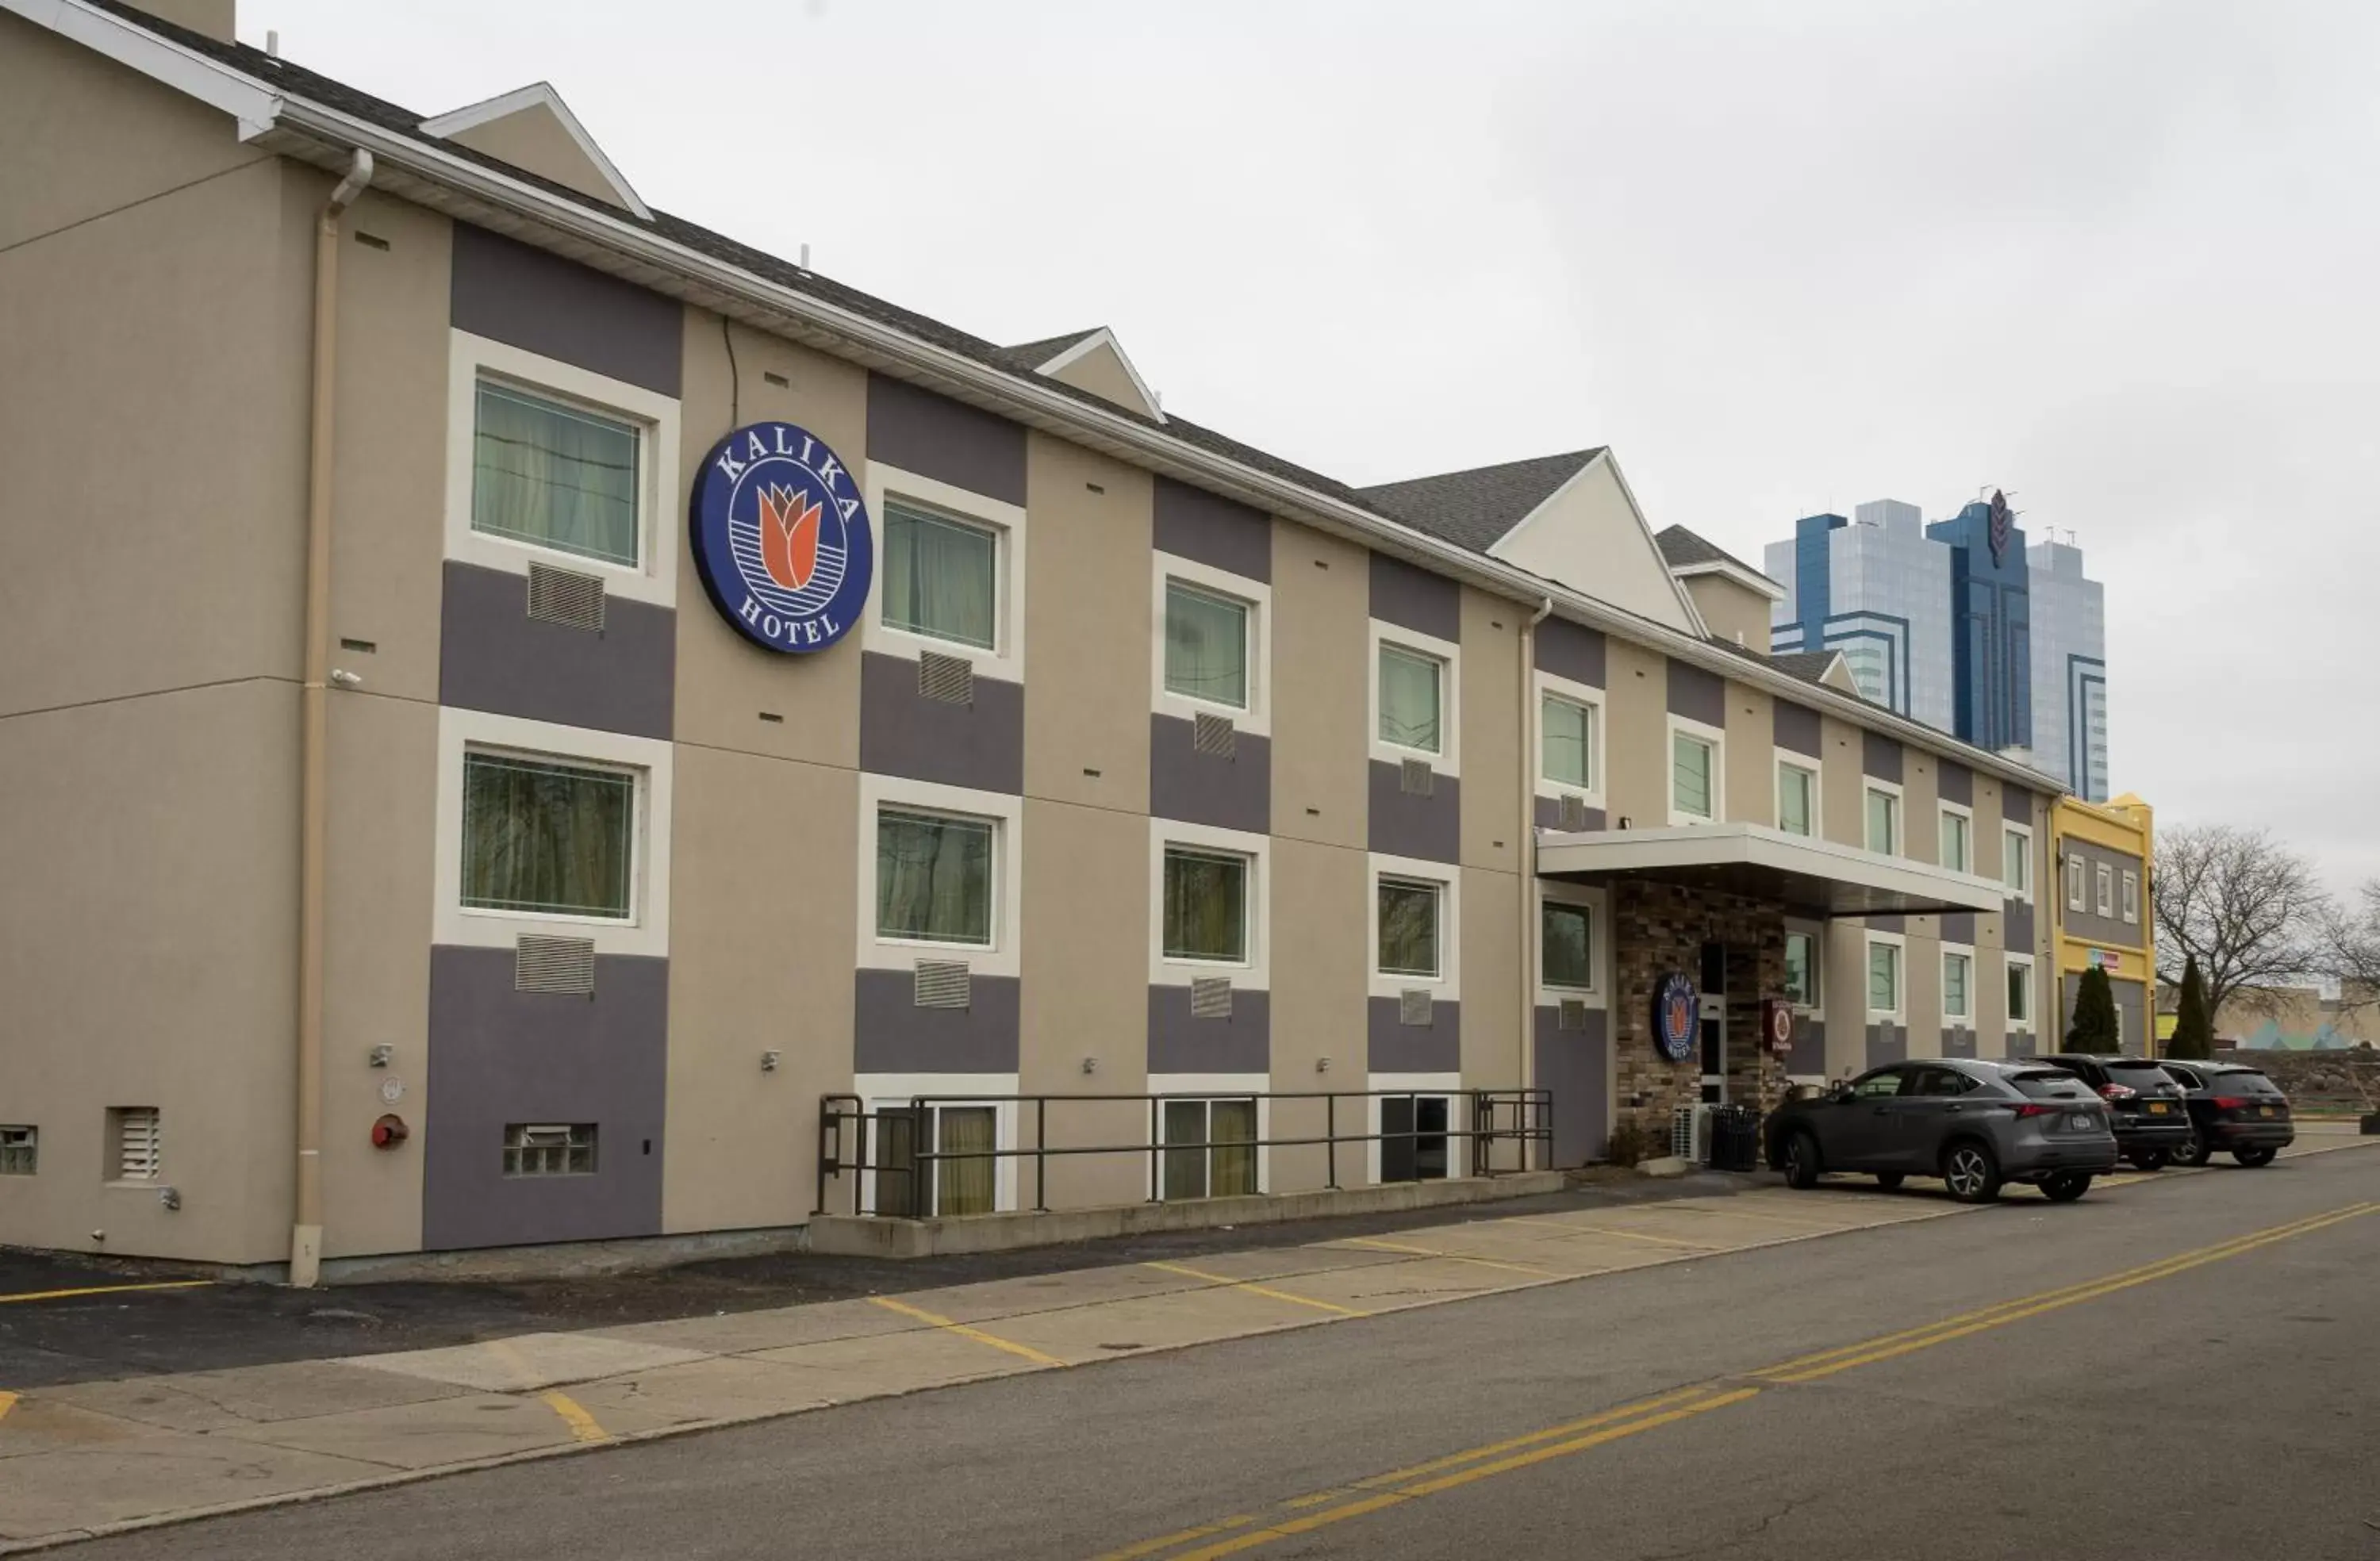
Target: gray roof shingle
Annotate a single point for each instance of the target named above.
(1035, 354)
(1680, 546)
(1473, 509)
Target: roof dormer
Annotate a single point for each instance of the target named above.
(1094, 363)
(531, 129)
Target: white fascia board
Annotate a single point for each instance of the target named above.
(1750, 579)
(1104, 338)
(535, 94)
(1755, 845)
(252, 103)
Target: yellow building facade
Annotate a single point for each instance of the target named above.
(2105, 854)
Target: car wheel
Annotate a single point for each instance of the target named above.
(2194, 1151)
(1972, 1171)
(1802, 1162)
(2152, 1159)
(1889, 1180)
(2254, 1157)
(2064, 1186)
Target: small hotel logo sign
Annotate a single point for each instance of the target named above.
(1676, 1016)
(2000, 520)
(781, 538)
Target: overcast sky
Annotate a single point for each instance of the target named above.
(2119, 258)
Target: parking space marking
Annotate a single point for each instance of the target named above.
(7, 1402)
(573, 1415)
(1530, 1269)
(931, 1319)
(104, 1290)
(1253, 1289)
(1641, 1236)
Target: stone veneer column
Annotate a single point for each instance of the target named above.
(1660, 928)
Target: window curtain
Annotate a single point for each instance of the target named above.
(1794, 806)
(1409, 699)
(1954, 842)
(1408, 929)
(964, 1186)
(1205, 646)
(1566, 953)
(1883, 977)
(1185, 1161)
(1567, 739)
(546, 838)
(939, 577)
(1205, 906)
(1879, 823)
(555, 475)
(934, 878)
(1691, 769)
(1233, 1131)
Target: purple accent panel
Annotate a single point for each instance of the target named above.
(902, 732)
(948, 441)
(1959, 926)
(1549, 815)
(1888, 924)
(1231, 793)
(1880, 755)
(1402, 825)
(892, 1034)
(541, 303)
(498, 1056)
(1798, 730)
(1887, 1043)
(1194, 523)
(1417, 599)
(1399, 1047)
(493, 656)
(1697, 695)
(1958, 1041)
(1571, 651)
(1575, 1066)
(1809, 1054)
(2021, 1043)
(2016, 804)
(2016, 925)
(1956, 782)
(1179, 1044)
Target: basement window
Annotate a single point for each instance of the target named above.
(550, 1149)
(136, 1143)
(19, 1150)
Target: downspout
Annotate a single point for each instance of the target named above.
(1532, 929)
(306, 1224)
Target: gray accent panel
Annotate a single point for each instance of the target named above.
(1417, 599)
(493, 656)
(541, 303)
(1575, 1066)
(892, 1034)
(1179, 1044)
(2016, 804)
(1231, 793)
(2113, 931)
(1194, 523)
(496, 1057)
(1398, 1047)
(2016, 926)
(1571, 651)
(1880, 755)
(1549, 817)
(1697, 695)
(2022, 1043)
(2131, 1003)
(1402, 825)
(1888, 924)
(902, 732)
(1798, 730)
(948, 441)
(1955, 781)
(1958, 1041)
(1809, 1054)
(1959, 926)
(1887, 1043)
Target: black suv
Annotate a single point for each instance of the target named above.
(2232, 1108)
(2145, 1103)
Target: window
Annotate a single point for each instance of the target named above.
(1693, 761)
(1939, 1083)
(2019, 991)
(1878, 1084)
(1409, 928)
(1884, 978)
(941, 578)
(1958, 970)
(20, 1151)
(1206, 646)
(552, 1149)
(1210, 1149)
(1569, 738)
(1955, 854)
(1410, 699)
(2103, 876)
(1206, 905)
(1883, 822)
(2016, 862)
(1568, 946)
(2077, 884)
(2133, 898)
(1797, 799)
(553, 475)
(1801, 969)
(933, 878)
(548, 838)
(1414, 1137)
(136, 1143)
(966, 1158)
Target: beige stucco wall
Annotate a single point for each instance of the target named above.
(1844, 989)
(533, 138)
(1636, 707)
(1731, 611)
(1491, 705)
(1843, 789)
(1089, 602)
(1589, 536)
(1750, 754)
(1494, 1039)
(1320, 966)
(1102, 372)
(1321, 603)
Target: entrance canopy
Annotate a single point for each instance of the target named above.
(1813, 877)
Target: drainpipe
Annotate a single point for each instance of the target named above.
(1531, 928)
(306, 1224)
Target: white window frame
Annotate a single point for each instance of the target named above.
(1254, 974)
(1446, 986)
(1256, 596)
(1949, 810)
(2078, 882)
(650, 760)
(2132, 898)
(1892, 789)
(2017, 839)
(1549, 686)
(1449, 655)
(2103, 884)
(1716, 736)
(1959, 951)
(1789, 758)
(653, 578)
(1006, 816)
(1598, 944)
(1211, 1087)
(1248, 892)
(1458, 1149)
(880, 1090)
(1898, 1013)
(1817, 937)
(945, 500)
(2032, 994)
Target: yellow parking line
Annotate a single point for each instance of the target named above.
(1253, 1289)
(7, 1402)
(1452, 1257)
(105, 1289)
(573, 1415)
(1641, 1236)
(1024, 1352)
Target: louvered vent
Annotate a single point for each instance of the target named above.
(1419, 779)
(943, 983)
(554, 964)
(139, 1143)
(565, 597)
(949, 679)
(1214, 734)
(1414, 1006)
(1573, 1015)
(1210, 998)
(1573, 813)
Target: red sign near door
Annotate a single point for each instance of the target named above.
(1777, 1023)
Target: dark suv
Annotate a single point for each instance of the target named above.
(1975, 1124)
(2232, 1108)
(2144, 1104)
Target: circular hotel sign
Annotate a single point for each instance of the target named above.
(781, 538)
(1676, 1016)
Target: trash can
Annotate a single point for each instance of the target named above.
(1735, 1139)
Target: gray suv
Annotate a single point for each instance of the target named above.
(1975, 1124)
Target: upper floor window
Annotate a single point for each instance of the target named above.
(2078, 884)
(1206, 646)
(933, 878)
(1412, 699)
(2020, 990)
(2133, 898)
(546, 838)
(1409, 940)
(2016, 862)
(1797, 799)
(554, 475)
(1957, 972)
(1693, 770)
(2104, 879)
(1205, 906)
(1567, 945)
(1956, 828)
(1569, 739)
(1883, 822)
(1801, 969)
(941, 577)
(1883, 977)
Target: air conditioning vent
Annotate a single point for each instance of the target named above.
(1571, 1015)
(136, 1143)
(565, 597)
(1418, 780)
(949, 679)
(1210, 998)
(943, 983)
(1214, 734)
(1573, 813)
(1414, 1006)
(555, 964)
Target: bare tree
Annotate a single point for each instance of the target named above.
(2250, 909)
(2349, 953)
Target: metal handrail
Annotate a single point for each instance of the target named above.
(1530, 1128)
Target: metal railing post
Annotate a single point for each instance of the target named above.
(1155, 1183)
(1040, 1156)
(1330, 1134)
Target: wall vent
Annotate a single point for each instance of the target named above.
(1214, 734)
(1418, 780)
(1573, 813)
(943, 983)
(1414, 1006)
(565, 597)
(136, 1143)
(949, 679)
(1571, 1015)
(555, 964)
(1210, 997)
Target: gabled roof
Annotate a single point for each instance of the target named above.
(1094, 361)
(529, 108)
(1033, 355)
(1476, 509)
(1809, 666)
(1690, 552)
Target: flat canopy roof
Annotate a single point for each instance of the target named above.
(1818, 877)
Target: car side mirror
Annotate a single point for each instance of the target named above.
(1840, 1094)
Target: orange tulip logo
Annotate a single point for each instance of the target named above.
(789, 536)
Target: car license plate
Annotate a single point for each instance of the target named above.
(2264, 1110)
(2156, 1108)
(2080, 1122)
